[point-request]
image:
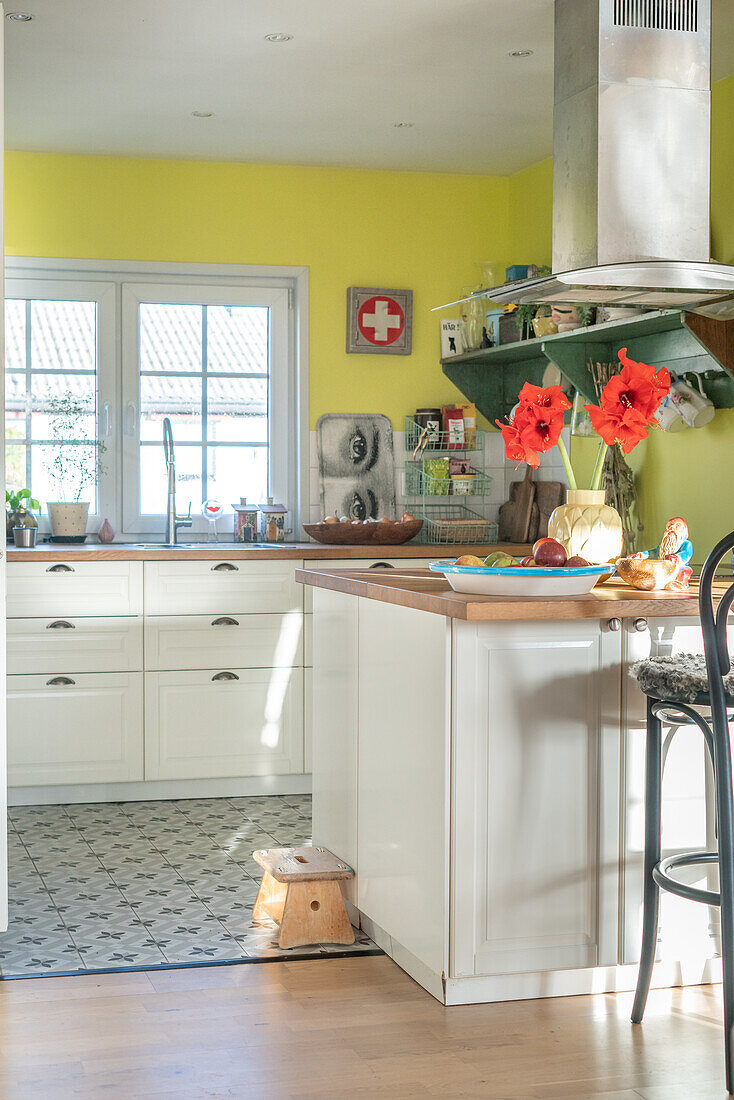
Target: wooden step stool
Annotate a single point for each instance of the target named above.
(300, 890)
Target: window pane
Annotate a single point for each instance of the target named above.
(237, 410)
(237, 339)
(170, 337)
(54, 417)
(177, 398)
(15, 477)
(63, 474)
(234, 472)
(15, 334)
(63, 335)
(154, 480)
(15, 406)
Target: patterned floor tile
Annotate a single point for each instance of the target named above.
(113, 885)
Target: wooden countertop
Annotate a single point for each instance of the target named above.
(207, 551)
(425, 591)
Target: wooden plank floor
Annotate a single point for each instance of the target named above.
(343, 1028)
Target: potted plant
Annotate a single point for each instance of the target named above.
(19, 507)
(586, 525)
(75, 467)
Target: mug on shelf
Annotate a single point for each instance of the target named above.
(669, 416)
(693, 405)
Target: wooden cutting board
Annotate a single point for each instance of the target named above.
(515, 514)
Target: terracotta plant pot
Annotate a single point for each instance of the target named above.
(587, 526)
(68, 521)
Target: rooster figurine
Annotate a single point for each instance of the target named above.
(666, 565)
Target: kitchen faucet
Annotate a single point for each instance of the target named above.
(172, 521)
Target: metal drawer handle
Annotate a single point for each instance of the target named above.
(382, 565)
(224, 567)
(60, 568)
(615, 624)
(61, 624)
(225, 620)
(57, 681)
(640, 624)
(225, 676)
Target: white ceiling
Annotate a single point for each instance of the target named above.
(123, 76)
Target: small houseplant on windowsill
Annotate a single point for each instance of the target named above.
(75, 467)
(585, 524)
(20, 507)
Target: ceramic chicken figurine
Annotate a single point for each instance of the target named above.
(665, 566)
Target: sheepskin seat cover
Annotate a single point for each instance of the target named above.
(681, 678)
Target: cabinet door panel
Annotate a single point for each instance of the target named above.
(223, 587)
(223, 641)
(363, 563)
(87, 731)
(51, 588)
(536, 828)
(201, 726)
(82, 644)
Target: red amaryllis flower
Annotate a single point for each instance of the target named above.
(539, 427)
(628, 430)
(629, 402)
(516, 448)
(551, 398)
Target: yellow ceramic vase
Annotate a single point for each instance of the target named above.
(587, 526)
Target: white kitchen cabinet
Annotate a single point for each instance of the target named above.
(307, 720)
(375, 563)
(536, 795)
(75, 644)
(75, 728)
(47, 588)
(179, 642)
(236, 722)
(223, 587)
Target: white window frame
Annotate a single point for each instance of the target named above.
(290, 471)
(103, 294)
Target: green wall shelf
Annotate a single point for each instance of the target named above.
(493, 377)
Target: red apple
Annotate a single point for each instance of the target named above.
(527, 561)
(549, 552)
(576, 562)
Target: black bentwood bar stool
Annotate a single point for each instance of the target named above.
(674, 686)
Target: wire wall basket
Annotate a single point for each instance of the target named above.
(419, 439)
(455, 524)
(429, 478)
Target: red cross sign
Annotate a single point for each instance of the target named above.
(381, 320)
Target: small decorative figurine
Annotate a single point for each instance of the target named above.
(665, 566)
(106, 533)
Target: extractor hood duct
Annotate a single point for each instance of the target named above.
(631, 142)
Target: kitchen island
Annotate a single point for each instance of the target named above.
(479, 762)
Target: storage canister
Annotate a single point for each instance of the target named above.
(245, 521)
(272, 521)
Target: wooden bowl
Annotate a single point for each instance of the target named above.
(341, 534)
(647, 574)
(392, 534)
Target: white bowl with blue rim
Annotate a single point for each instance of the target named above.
(521, 580)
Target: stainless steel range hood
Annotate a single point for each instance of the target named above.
(631, 145)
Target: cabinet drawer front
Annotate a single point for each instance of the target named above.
(362, 563)
(223, 587)
(81, 644)
(201, 727)
(223, 641)
(87, 731)
(41, 588)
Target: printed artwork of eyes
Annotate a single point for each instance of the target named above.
(353, 449)
(360, 503)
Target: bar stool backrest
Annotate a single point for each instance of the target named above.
(713, 624)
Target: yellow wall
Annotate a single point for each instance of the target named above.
(427, 232)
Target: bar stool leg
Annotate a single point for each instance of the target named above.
(653, 841)
(725, 814)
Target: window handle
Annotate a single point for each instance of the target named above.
(107, 419)
(224, 567)
(60, 624)
(59, 681)
(225, 620)
(130, 417)
(60, 568)
(225, 676)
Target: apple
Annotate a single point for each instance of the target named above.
(527, 561)
(576, 562)
(548, 552)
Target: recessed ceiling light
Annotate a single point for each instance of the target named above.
(403, 125)
(280, 36)
(203, 114)
(521, 53)
(19, 16)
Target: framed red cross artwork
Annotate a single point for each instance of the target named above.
(379, 322)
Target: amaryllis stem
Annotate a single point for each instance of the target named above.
(567, 464)
(599, 467)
